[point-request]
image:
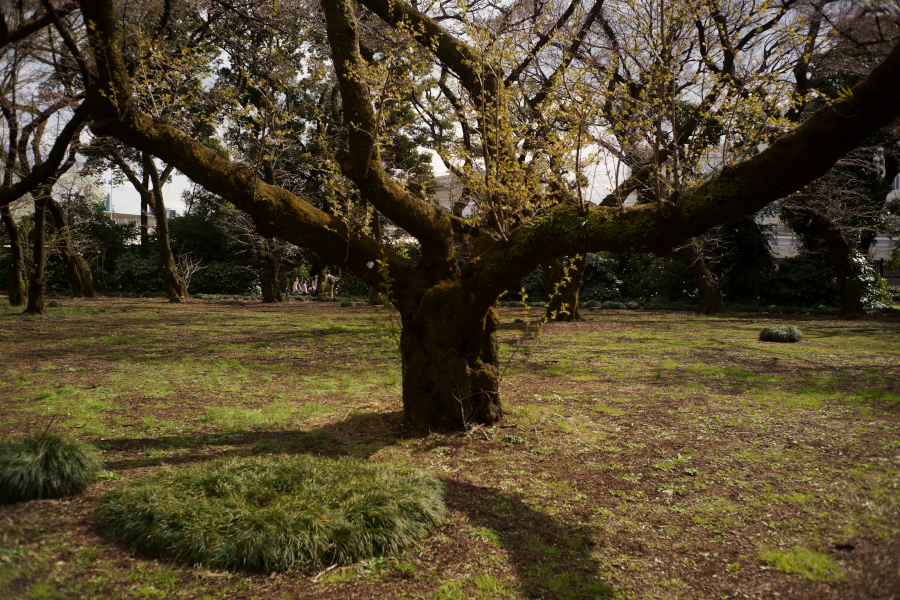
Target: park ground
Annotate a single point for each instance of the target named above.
(643, 454)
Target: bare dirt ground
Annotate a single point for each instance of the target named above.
(643, 454)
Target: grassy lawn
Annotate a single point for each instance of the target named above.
(643, 454)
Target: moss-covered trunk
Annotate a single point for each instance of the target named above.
(451, 371)
(15, 284)
(78, 272)
(563, 286)
(37, 278)
(707, 286)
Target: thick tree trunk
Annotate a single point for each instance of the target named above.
(708, 288)
(268, 277)
(451, 371)
(37, 279)
(15, 283)
(77, 270)
(563, 286)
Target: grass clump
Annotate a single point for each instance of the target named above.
(806, 563)
(174, 298)
(275, 513)
(612, 304)
(53, 304)
(346, 303)
(781, 334)
(46, 466)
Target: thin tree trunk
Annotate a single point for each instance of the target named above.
(145, 226)
(707, 287)
(37, 280)
(15, 283)
(280, 275)
(374, 295)
(77, 270)
(174, 285)
(563, 287)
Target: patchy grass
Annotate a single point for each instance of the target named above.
(806, 563)
(642, 454)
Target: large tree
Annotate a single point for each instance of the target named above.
(448, 341)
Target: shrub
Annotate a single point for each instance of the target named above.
(632, 305)
(657, 304)
(611, 304)
(53, 304)
(47, 466)
(175, 299)
(852, 316)
(781, 334)
(275, 513)
(590, 304)
(346, 303)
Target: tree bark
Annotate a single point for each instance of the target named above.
(37, 279)
(268, 276)
(15, 283)
(145, 227)
(77, 270)
(375, 298)
(838, 256)
(174, 285)
(451, 371)
(710, 300)
(563, 286)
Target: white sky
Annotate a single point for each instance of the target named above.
(125, 200)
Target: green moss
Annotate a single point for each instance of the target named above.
(806, 563)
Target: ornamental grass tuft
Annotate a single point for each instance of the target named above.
(282, 513)
(46, 466)
(781, 334)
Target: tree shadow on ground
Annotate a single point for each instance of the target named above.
(552, 559)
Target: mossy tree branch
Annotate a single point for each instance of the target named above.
(276, 211)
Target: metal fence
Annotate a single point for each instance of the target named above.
(890, 274)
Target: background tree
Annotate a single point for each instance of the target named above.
(839, 215)
(42, 122)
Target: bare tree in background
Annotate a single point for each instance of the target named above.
(270, 254)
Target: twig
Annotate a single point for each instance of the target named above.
(316, 578)
(43, 435)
